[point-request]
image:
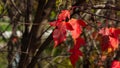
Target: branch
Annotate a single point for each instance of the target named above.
(99, 15)
(42, 47)
(14, 5)
(105, 7)
(102, 6)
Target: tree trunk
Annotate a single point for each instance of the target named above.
(31, 41)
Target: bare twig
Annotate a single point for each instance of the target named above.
(14, 5)
(99, 15)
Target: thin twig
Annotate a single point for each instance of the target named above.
(13, 51)
(14, 5)
(99, 15)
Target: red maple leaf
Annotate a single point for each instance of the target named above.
(104, 31)
(115, 64)
(64, 14)
(59, 34)
(114, 41)
(105, 42)
(109, 38)
(77, 30)
(75, 52)
(79, 41)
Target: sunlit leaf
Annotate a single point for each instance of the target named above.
(77, 30)
(64, 14)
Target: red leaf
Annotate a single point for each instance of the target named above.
(75, 55)
(81, 22)
(105, 43)
(117, 31)
(53, 23)
(104, 31)
(114, 41)
(115, 64)
(64, 14)
(56, 23)
(59, 34)
(75, 52)
(110, 38)
(68, 26)
(78, 42)
(77, 29)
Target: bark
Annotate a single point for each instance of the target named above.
(33, 41)
(26, 36)
(14, 18)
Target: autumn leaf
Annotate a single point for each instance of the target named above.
(105, 43)
(114, 41)
(104, 31)
(64, 14)
(75, 52)
(59, 34)
(68, 26)
(77, 30)
(54, 23)
(109, 38)
(79, 41)
(75, 55)
(117, 31)
(82, 23)
(115, 64)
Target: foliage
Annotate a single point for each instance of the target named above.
(109, 37)
(60, 33)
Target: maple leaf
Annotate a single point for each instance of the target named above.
(105, 43)
(77, 30)
(64, 14)
(75, 55)
(114, 41)
(59, 23)
(104, 31)
(75, 52)
(117, 31)
(59, 34)
(54, 23)
(79, 41)
(81, 22)
(109, 38)
(115, 64)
